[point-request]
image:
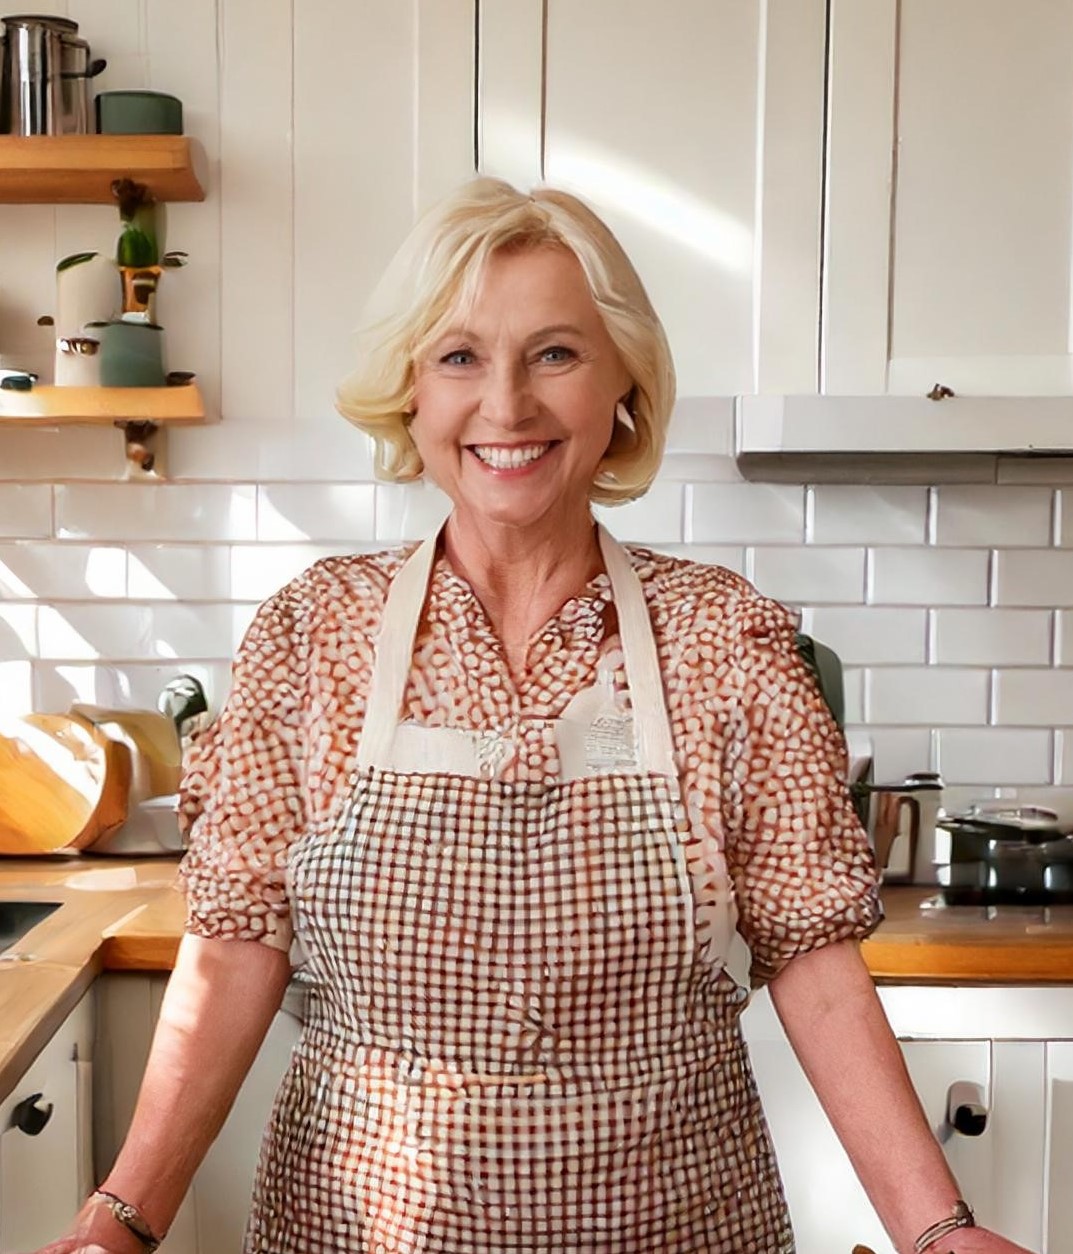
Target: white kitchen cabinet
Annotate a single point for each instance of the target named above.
(44, 1177)
(1058, 1217)
(1015, 1174)
(698, 134)
(213, 1216)
(949, 198)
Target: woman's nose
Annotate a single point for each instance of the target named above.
(507, 397)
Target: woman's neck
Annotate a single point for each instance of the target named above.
(522, 577)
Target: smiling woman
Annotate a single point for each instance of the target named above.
(540, 810)
(431, 288)
(514, 409)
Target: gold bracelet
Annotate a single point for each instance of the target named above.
(131, 1218)
(962, 1217)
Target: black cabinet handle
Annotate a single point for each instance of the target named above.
(966, 1108)
(31, 1115)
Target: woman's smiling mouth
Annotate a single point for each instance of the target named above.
(510, 456)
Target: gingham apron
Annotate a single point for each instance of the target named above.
(512, 1042)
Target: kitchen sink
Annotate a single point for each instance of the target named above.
(17, 917)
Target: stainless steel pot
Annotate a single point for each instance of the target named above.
(1008, 855)
(44, 77)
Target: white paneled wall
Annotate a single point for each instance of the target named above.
(326, 128)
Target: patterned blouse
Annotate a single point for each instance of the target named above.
(761, 762)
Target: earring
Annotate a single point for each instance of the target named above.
(623, 415)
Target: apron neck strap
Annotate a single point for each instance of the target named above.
(398, 632)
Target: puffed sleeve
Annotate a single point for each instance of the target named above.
(803, 871)
(242, 800)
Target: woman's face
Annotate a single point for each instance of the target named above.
(514, 406)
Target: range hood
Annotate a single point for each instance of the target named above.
(905, 438)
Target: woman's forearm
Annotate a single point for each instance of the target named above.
(217, 1009)
(828, 1006)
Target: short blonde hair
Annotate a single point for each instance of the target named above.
(438, 270)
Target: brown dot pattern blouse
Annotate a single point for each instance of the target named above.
(761, 762)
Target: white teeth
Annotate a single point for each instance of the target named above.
(500, 458)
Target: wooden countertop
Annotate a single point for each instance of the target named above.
(923, 942)
(126, 915)
(45, 974)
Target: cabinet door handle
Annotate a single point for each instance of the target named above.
(32, 1114)
(966, 1108)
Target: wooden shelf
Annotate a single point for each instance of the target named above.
(53, 407)
(80, 169)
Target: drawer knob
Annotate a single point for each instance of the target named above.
(32, 1114)
(966, 1108)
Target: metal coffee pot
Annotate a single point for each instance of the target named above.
(902, 826)
(44, 77)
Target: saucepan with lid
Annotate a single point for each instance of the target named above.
(1002, 854)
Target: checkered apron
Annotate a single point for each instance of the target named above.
(512, 1042)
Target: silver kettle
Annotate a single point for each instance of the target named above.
(44, 77)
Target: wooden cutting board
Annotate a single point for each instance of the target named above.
(63, 783)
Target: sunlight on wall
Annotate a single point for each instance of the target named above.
(149, 584)
(12, 584)
(94, 684)
(656, 204)
(16, 687)
(106, 572)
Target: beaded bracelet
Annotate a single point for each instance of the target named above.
(962, 1217)
(131, 1218)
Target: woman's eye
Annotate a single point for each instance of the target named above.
(557, 354)
(458, 357)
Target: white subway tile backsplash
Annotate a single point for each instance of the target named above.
(995, 756)
(746, 513)
(25, 509)
(259, 570)
(1064, 510)
(18, 632)
(86, 632)
(702, 424)
(1063, 755)
(656, 518)
(301, 511)
(919, 576)
(732, 557)
(33, 455)
(130, 684)
(842, 514)
(929, 695)
(992, 637)
(1063, 638)
(133, 631)
(66, 572)
(1033, 577)
(853, 694)
(1034, 698)
(140, 512)
(180, 572)
(16, 687)
(408, 511)
(870, 636)
(896, 751)
(816, 576)
(994, 516)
